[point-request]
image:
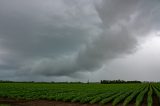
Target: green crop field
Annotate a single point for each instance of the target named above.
(123, 94)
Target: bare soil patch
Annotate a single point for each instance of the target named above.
(155, 101)
(14, 102)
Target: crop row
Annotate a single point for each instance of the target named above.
(83, 93)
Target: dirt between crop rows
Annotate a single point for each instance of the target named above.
(12, 102)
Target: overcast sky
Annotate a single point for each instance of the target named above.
(79, 40)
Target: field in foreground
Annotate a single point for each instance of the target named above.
(28, 94)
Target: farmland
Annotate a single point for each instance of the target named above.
(93, 94)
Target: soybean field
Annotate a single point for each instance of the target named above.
(145, 94)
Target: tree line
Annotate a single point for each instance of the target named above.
(117, 82)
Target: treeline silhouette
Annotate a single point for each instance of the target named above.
(117, 82)
(78, 82)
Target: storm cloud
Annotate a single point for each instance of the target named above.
(67, 38)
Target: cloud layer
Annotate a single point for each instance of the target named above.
(59, 38)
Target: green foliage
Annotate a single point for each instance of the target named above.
(106, 100)
(133, 95)
(83, 93)
(98, 98)
(4, 105)
(139, 98)
(120, 98)
(149, 99)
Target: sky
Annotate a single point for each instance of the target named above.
(79, 40)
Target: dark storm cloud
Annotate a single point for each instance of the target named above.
(36, 30)
(59, 38)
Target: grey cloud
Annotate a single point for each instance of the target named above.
(118, 37)
(59, 38)
(33, 30)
